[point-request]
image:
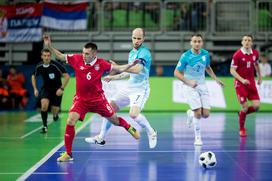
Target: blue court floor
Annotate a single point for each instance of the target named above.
(174, 158)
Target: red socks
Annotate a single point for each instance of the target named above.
(68, 138)
(242, 119)
(242, 116)
(250, 110)
(123, 123)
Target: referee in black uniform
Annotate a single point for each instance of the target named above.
(52, 89)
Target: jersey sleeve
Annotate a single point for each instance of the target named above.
(145, 57)
(256, 61)
(60, 67)
(37, 70)
(106, 65)
(234, 61)
(208, 61)
(181, 63)
(71, 59)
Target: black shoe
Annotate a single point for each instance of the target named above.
(44, 130)
(55, 118)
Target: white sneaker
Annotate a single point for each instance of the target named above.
(189, 118)
(198, 141)
(152, 138)
(96, 140)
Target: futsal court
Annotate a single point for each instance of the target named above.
(28, 155)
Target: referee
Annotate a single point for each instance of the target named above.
(52, 89)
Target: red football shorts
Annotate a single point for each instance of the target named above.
(246, 92)
(101, 107)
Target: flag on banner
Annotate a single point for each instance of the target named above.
(20, 23)
(71, 16)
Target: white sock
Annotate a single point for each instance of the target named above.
(197, 127)
(142, 121)
(106, 125)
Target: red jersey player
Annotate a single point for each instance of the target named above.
(242, 68)
(89, 95)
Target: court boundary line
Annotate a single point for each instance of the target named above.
(165, 151)
(46, 157)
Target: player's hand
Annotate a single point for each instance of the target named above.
(220, 83)
(259, 81)
(46, 40)
(192, 83)
(36, 93)
(108, 78)
(245, 82)
(59, 92)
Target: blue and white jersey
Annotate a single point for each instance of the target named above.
(194, 65)
(140, 80)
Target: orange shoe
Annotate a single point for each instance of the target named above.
(242, 132)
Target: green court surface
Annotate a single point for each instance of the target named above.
(21, 143)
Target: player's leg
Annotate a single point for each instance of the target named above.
(197, 126)
(242, 94)
(105, 127)
(135, 114)
(55, 102)
(44, 114)
(253, 96)
(69, 136)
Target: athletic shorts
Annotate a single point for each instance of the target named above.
(51, 95)
(131, 97)
(246, 92)
(82, 107)
(198, 97)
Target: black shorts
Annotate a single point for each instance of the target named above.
(51, 95)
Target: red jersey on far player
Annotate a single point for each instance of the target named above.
(88, 77)
(244, 63)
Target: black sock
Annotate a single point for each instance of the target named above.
(44, 118)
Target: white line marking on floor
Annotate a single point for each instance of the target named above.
(50, 173)
(44, 159)
(165, 151)
(35, 130)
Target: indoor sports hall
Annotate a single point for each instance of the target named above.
(29, 153)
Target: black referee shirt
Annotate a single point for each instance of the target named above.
(51, 74)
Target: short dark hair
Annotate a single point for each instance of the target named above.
(46, 50)
(197, 35)
(91, 45)
(249, 35)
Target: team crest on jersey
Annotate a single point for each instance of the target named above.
(81, 68)
(203, 58)
(52, 76)
(97, 67)
(243, 59)
(254, 57)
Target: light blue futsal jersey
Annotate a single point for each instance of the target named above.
(194, 65)
(140, 80)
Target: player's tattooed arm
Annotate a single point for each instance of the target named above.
(116, 77)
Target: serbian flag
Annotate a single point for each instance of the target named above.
(69, 16)
(20, 23)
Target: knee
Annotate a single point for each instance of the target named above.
(71, 121)
(44, 108)
(133, 115)
(198, 115)
(206, 115)
(114, 106)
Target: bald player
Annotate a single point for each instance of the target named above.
(135, 92)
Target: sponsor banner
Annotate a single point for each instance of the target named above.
(72, 16)
(217, 98)
(265, 91)
(20, 23)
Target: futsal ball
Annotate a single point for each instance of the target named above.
(207, 159)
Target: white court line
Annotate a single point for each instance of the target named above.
(165, 151)
(50, 173)
(33, 131)
(44, 159)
